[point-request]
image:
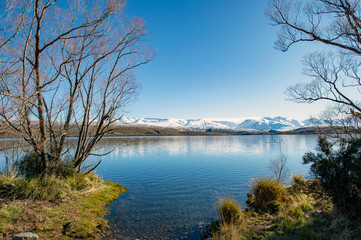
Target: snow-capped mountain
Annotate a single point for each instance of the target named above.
(263, 124)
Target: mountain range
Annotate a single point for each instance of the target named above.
(256, 123)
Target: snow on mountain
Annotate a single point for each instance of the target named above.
(263, 124)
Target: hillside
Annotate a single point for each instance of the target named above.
(165, 127)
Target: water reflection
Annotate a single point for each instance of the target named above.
(183, 145)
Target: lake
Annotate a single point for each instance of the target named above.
(174, 182)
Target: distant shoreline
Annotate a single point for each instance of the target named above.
(129, 131)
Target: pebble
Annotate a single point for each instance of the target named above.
(26, 236)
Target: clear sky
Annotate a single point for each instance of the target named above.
(216, 59)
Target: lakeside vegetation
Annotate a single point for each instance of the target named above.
(274, 211)
(56, 208)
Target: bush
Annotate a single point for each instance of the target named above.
(229, 211)
(31, 166)
(266, 195)
(337, 166)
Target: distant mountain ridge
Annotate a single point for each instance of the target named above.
(258, 123)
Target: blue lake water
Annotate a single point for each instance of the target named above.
(174, 182)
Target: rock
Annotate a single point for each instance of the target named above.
(26, 236)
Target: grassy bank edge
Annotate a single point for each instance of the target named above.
(300, 211)
(78, 215)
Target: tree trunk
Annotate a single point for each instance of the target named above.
(39, 94)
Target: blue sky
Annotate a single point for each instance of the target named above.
(216, 59)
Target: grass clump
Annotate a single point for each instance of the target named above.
(266, 196)
(232, 224)
(229, 211)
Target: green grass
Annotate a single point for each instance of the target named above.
(8, 216)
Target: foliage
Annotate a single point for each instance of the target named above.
(266, 195)
(338, 167)
(28, 166)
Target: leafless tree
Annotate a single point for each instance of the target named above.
(66, 68)
(334, 72)
(278, 166)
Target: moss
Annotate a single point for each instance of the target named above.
(90, 212)
(77, 215)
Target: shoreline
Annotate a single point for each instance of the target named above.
(159, 131)
(77, 215)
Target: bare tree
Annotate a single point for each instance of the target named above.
(10, 26)
(335, 72)
(278, 166)
(68, 70)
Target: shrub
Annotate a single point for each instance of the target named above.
(266, 194)
(30, 166)
(229, 211)
(337, 165)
